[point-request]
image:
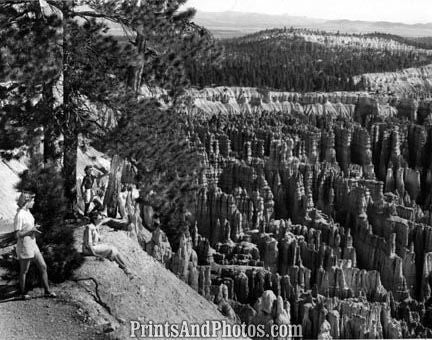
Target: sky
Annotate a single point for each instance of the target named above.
(405, 11)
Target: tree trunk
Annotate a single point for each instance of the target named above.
(114, 186)
(50, 151)
(70, 127)
(36, 150)
(70, 154)
(128, 173)
(49, 148)
(139, 70)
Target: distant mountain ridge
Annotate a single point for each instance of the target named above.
(308, 60)
(233, 24)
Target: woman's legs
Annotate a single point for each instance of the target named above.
(120, 261)
(24, 267)
(116, 257)
(111, 252)
(40, 262)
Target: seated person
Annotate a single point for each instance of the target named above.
(98, 205)
(92, 247)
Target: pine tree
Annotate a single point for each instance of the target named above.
(78, 73)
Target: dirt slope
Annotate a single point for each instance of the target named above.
(45, 319)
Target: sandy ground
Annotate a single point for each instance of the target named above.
(42, 318)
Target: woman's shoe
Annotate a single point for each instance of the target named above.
(50, 294)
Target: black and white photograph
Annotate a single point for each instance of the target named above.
(215, 169)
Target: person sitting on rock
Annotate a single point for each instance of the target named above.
(92, 247)
(98, 205)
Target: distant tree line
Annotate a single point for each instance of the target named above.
(419, 42)
(291, 63)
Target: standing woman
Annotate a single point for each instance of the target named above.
(27, 249)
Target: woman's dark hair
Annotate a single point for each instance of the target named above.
(94, 216)
(25, 197)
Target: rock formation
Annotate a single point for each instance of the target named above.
(315, 211)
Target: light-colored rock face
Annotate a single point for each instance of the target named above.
(9, 172)
(408, 82)
(250, 100)
(357, 105)
(267, 300)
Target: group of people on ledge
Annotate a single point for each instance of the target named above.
(26, 230)
(93, 194)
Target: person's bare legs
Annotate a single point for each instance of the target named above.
(24, 267)
(40, 262)
(120, 261)
(86, 209)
